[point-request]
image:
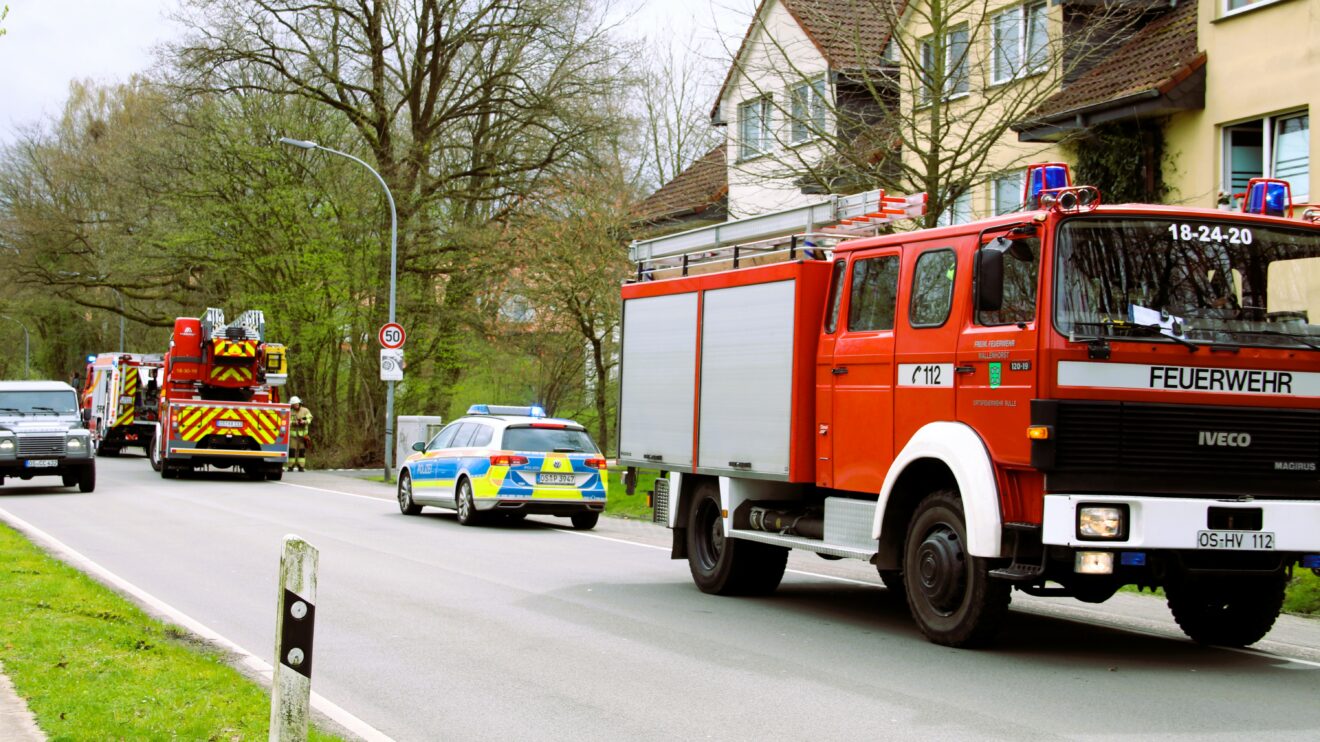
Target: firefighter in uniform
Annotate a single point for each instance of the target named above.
(300, 424)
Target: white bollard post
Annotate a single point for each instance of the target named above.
(291, 685)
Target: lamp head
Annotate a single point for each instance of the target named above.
(299, 143)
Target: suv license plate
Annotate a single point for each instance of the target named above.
(1235, 540)
(41, 463)
(556, 479)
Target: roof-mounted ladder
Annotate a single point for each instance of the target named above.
(819, 225)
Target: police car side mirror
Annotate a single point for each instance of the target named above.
(419, 446)
(990, 276)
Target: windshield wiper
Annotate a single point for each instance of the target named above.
(1147, 330)
(568, 450)
(1299, 337)
(51, 410)
(13, 409)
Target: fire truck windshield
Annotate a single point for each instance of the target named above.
(1192, 280)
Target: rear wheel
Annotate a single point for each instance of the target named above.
(153, 453)
(87, 479)
(950, 592)
(406, 504)
(255, 473)
(467, 509)
(584, 521)
(275, 474)
(893, 581)
(1231, 612)
(725, 566)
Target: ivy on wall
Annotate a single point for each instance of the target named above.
(1124, 160)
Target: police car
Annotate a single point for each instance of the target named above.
(509, 461)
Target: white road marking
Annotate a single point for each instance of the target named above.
(335, 492)
(165, 611)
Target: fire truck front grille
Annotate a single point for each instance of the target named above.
(41, 445)
(1178, 446)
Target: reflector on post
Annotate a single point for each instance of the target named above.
(1044, 176)
(1268, 196)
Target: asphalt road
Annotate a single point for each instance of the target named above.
(428, 630)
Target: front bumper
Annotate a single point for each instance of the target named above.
(66, 465)
(1175, 522)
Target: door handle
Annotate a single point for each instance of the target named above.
(839, 370)
(964, 369)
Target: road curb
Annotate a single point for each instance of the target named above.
(16, 720)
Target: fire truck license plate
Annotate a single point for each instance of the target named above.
(556, 479)
(229, 423)
(1235, 540)
(41, 463)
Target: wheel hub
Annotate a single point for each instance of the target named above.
(941, 570)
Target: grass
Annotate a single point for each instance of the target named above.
(93, 666)
(623, 505)
(1302, 597)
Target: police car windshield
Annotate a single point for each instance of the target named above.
(1198, 280)
(548, 440)
(39, 403)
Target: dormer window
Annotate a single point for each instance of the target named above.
(809, 101)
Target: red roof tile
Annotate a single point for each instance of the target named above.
(702, 185)
(1155, 58)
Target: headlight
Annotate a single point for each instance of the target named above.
(1102, 522)
(6, 445)
(76, 444)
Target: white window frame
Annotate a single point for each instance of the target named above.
(1226, 8)
(957, 72)
(1269, 140)
(1024, 22)
(958, 212)
(808, 102)
(1019, 178)
(748, 150)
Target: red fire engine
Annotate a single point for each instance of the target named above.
(119, 397)
(1061, 401)
(220, 404)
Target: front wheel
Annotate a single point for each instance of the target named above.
(87, 479)
(467, 509)
(153, 453)
(950, 592)
(725, 566)
(1227, 612)
(404, 494)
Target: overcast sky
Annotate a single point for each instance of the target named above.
(51, 42)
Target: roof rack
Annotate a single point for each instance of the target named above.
(812, 229)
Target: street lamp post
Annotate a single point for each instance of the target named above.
(394, 259)
(27, 346)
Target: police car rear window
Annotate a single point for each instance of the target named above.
(547, 440)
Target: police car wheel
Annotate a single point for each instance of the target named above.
(467, 509)
(406, 504)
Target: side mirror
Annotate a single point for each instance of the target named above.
(86, 416)
(419, 446)
(990, 276)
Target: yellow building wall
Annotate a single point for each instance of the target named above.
(1261, 61)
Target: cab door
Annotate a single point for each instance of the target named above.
(428, 472)
(825, 378)
(862, 374)
(931, 315)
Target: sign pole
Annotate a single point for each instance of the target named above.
(291, 685)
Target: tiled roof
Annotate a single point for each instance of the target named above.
(702, 185)
(1157, 57)
(849, 34)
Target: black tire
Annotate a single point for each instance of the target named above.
(404, 495)
(949, 592)
(463, 503)
(168, 472)
(70, 478)
(893, 582)
(1230, 612)
(154, 455)
(275, 474)
(584, 521)
(255, 473)
(87, 479)
(724, 566)
(107, 451)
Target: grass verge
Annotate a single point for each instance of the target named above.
(1302, 597)
(93, 666)
(633, 506)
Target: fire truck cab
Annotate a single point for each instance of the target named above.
(1062, 401)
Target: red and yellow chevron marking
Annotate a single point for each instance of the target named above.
(196, 423)
(128, 388)
(221, 348)
(231, 373)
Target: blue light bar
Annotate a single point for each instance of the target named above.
(1267, 197)
(504, 409)
(1045, 176)
(1311, 561)
(537, 411)
(91, 358)
(1132, 559)
(479, 409)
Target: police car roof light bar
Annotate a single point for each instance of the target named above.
(496, 409)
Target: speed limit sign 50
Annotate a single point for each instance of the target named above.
(391, 335)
